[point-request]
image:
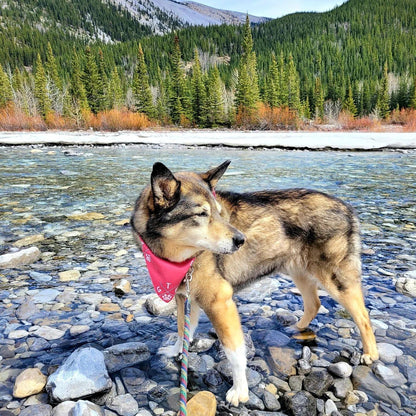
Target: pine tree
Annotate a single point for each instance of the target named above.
(349, 104)
(52, 68)
(6, 92)
(247, 94)
(141, 87)
(318, 99)
(273, 88)
(178, 104)
(198, 94)
(413, 96)
(293, 85)
(284, 97)
(77, 89)
(92, 82)
(41, 89)
(215, 98)
(115, 91)
(383, 99)
(103, 98)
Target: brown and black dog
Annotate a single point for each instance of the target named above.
(238, 237)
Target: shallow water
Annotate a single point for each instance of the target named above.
(41, 187)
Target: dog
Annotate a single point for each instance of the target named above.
(237, 237)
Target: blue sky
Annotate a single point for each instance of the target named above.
(273, 8)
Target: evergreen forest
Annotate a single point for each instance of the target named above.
(355, 64)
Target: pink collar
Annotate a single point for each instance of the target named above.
(166, 275)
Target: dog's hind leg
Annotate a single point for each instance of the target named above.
(344, 285)
(311, 303)
(222, 312)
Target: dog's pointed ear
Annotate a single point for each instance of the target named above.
(213, 175)
(165, 187)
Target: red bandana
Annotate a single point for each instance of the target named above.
(166, 275)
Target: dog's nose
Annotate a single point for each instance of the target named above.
(238, 240)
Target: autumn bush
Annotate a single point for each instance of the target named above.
(404, 117)
(12, 119)
(348, 122)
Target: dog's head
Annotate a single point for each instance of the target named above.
(177, 215)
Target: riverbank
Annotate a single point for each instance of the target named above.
(240, 139)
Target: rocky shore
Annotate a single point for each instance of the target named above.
(80, 327)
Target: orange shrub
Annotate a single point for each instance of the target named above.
(115, 120)
(12, 118)
(275, 118)
(57, 122)
(348, 122)
(405, 118)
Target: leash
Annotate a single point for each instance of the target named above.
(185, 346)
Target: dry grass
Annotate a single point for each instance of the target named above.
(348, 122)
(13, 119)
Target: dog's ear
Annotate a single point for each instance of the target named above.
(213, 175)
(165, 187)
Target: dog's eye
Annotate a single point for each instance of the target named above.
(202, 214)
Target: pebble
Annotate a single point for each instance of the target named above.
(158, 307)
(124, 405)
(48, 333)
(29, 382)
(125, 355)
(388, 352)
(69, 275)
(29, 240)
(341, 369)
(20, 258)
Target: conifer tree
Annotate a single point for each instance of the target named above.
(318, 99)
(77, 89)
(198, 94)
(92, 82)
(178, 104)
(293, 85)
(141, 87)
(103, 99)
(41, 89)
(413, 96)
(115, 91)
(383, 99)
(52, 68)
(349, 104)
(284, 97)
(17, 81)
(247, 94)
(215, 98)
(273, 93)
(6, 92)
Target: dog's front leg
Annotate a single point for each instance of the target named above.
(222, 311)
(176, 349)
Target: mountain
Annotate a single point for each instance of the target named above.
(187, 13)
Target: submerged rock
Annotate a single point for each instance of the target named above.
(82, 374)
(20, 258)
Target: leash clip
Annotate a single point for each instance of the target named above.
(188, 280)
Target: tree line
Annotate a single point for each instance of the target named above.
(197, 92)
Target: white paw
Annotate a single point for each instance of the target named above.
(366, 359)
(171, 350)
(237, 394)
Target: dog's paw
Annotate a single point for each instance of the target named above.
(366, 359)
(237, 394)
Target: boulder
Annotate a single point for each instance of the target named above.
(28, 382)
(20, 258)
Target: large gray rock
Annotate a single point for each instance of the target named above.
(83, 374)
(390, 375)
(37, 410)
(64, 408)
(388, 352)
(364, 379)
(158, 307)
(301, 403)
(125, 355)
(45, 296)
(124, 405)
(86, 408)
(318, 382)
(407, 285)
(19, 258)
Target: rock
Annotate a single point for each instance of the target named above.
(407, 286)
(27, 241)
(330, 408)
(341, 387)
(254, 402)
(82, 374)
(406, 363)
(158, 307)
(388, 352)
(78, 330)
(390, 376)
(37, 410)
(69, 275)
(257, 291)
(20, 258)
(124, 405)
(27, 310)
(63, 409)
(202, 404)
(28, 382)
(318, 382)
(301, 403)
(45, 296)
(48, 333)
(86, 408)
(18, 334)
(40, 277)
(109, 307)
(125, 355)
(122, 287)
(87, 216)
(282, 361)
(340, 369)
(270, 401)
(364, 379)
(91, 298)
(296, 382)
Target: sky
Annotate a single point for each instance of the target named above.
(273, 8)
